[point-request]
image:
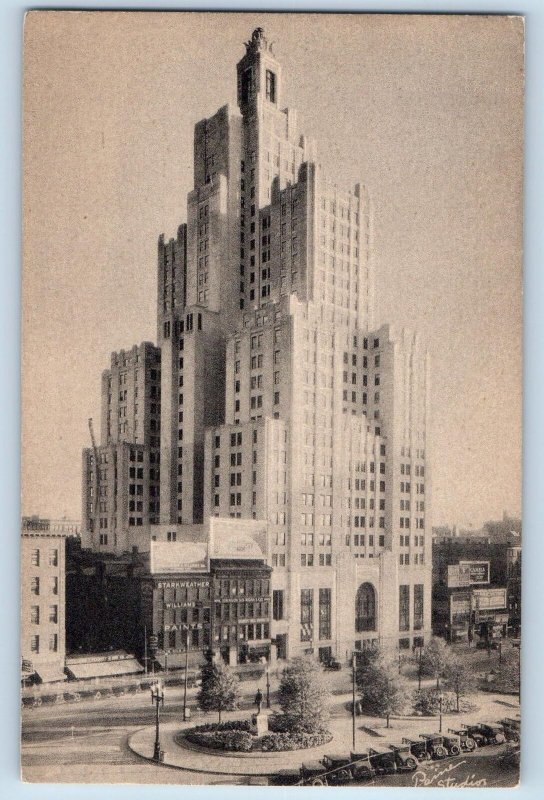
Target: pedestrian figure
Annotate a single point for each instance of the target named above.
(258, 700)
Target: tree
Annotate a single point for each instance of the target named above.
(304, 697)
(436, 658)
(382, 690)
(457, 678)
(219, 690)
(507, 673)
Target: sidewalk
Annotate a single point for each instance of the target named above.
(370, 732)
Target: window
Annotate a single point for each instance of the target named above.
(404, 607)
(35, 585)
(35, 615)
(418, 606)
(325, 613)
(54, 614)
(306, 614)
(55, 585)
(277, 604)
(270, 86)
(53, 642)
(35, 644)
(35, 558)
(365, 608)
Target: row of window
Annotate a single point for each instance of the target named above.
(53, 643)
(53, 560)
(35, 614)
(361, 522)
(308, 560)
(35, 585)
(307, 614)
(404, 559)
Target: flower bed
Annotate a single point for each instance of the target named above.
(275, 742)
(234, 736)
(231, 736)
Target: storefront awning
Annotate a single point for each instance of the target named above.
(172, 660)
(102, 669)
(49, 673)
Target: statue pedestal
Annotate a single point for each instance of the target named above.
(259, 723)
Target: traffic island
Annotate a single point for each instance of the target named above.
(180, 753)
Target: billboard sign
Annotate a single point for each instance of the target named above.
(489, 599)
(468, 573)
(238, 538)
(175, 557)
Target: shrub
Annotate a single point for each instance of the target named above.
(230, 725)
(275, 742)
(426, 702)
(236, 740)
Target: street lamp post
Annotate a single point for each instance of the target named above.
(186, 628)
(419, 664)
(440, 699)
(354, 654)
(157, 697)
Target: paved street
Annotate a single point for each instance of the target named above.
(90, 740)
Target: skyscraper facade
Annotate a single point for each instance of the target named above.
(281, 400)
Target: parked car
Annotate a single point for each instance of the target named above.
(418, 749)
(511, 728)
(382, 761)
(406, 762)
(332, 664)
(484, 734)
(452, 743)
(435, 744)
(466, 742)
(339, 768)
(285, 777)
(361, 766)
(313, 773)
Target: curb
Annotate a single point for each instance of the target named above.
(190, 769)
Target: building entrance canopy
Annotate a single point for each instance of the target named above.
(87, 668)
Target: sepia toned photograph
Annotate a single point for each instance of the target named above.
(271, 399)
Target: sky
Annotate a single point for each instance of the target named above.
(425, 111)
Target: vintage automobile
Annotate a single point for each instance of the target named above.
(484, 734)
(452, 743)
(435, 744)
(511, 728)
(344, 768)
(285, 777)
(332, 664)
(339, 768)
(313, 773)
(361, 766)
(466, 741)
(406, 762)
(418, 749)
(383, 762)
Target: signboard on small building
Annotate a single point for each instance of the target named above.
(238, 538)
(177, 557)
(489, 599)
(468, 573)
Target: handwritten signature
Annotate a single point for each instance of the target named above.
(443, 779)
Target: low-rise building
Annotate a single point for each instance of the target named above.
(43, 598)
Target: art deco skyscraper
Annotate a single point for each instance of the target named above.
(280, 399)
